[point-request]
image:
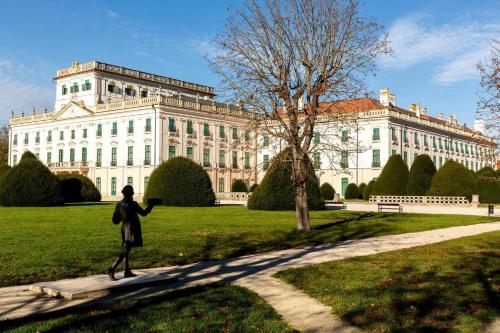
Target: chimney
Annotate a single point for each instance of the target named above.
(479, 126)
(387, 98)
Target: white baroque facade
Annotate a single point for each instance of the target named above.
(115, 125)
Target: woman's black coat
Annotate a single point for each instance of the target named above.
(126, 212)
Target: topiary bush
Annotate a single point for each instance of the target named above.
(27, 155)
(421, 172)
(180, 182)
(78, 188)
(368, 190)
(327, 191)
(3, 169)
(497, 173)
(489, 190)
(393, 178)
(275, 192)
(30, 183)
(361, 188)
(453, 179)
(239, 185)
(253, 187)
(487, 171)
(352, 191)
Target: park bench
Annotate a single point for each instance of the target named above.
(217, 203)
(393, 206)
(336, 204)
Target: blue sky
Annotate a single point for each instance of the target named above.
(436, 46)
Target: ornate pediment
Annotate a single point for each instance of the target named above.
(73, 110)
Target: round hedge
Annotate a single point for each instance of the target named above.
(361, 188)
(30, 183)
(489, 190)
(352, 191)
(487, 171)
(327, 191)
(253, 187)
(368, 190)
(180, 182)
(421, 172)
(393, 178)
(275, 192)
(453, 179)
(239, 185)
(78, 188)
(27, 155)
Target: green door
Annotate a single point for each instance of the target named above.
(345, 181)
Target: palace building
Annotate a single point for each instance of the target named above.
(116, 125)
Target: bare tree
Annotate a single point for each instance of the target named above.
(4, 145)
(278, 54)
(489, 98)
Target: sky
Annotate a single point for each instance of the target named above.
(436, 46)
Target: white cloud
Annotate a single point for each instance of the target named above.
(453, 50)
(204, 47)
(111, 13)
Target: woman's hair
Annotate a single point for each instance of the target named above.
(128, 191)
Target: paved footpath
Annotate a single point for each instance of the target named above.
(253, 272)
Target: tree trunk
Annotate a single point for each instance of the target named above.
(302, 208)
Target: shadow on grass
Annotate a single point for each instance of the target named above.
(100, 203)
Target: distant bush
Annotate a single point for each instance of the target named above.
(487, 171)
(30, 183)
(393, 178)
(239, 185)
(421, 172)
(497, 173)
(368, 190)
(489, 190)
(275, 192)
(361, 188)
(253, 187)
(327, 191)
(78, 188)
(352, 191)
(453, 179)
(180, 182)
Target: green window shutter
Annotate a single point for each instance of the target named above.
(171, 152)
(189, 152)
(189, 127)
(84, 155)
(376, 158)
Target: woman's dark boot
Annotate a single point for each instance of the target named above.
(111, 273)
(128, 273)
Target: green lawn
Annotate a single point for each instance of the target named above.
(208, 309)
(40, 244)
(452, 286)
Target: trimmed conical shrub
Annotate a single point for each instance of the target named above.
(275, 192)
(253, 187)
(393, 178)
(78, 188)
(361, 188)
(351, 191)
(3, 169)
(487, 171)
(368, 190)
(180, 182)
(239, 185)
(30, 183)
(327, 191)
(453, 179)
(421, 172)
(489, 190)
(27, 155)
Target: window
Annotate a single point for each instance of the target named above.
(247, 161)
(462, 148)
(393, 152)
(74, 88)
(235, 133)
(344, 159)
(112, 88)
(221, 184)
(405, 136)
(15, 139)
(393, 133)
(206, 157)
(171, 124)
(98, 183)
(189, 152)
(14, 160)
(130, 91)
(148, 125)
(84, 156)
(456, 147)
(434, 160)
(99, 130)
(86, 86)
(130, 156)
(247, 136)
(26, 138)
(405, 157)
(426, 143)
(98, 160)
(72, 134)
(49, 158)
(317, 160)
(376, 134)
(415, 156)
(147, 154)
(434, 145)
(206, 130)
(467, 149)
(316, 137)
(234, 159)
(171, 152)
(415, 139)
(130, 128)
(37, 155)
(440, 141)
(72, 156)
(345, 182)
(113, 156)
(440, 162)
(146, 182)
(61, 155)
(64, 90)
(266, 141)
(114, 128)
(189, 127)
(265, 165)
(84, 133)
(222, 132)
(144, 93)
(130, 181)
(376, 158)
(222, 159)
(345, 135)
(113, 185)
